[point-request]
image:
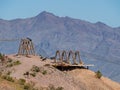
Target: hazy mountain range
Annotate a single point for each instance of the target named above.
(98, 43)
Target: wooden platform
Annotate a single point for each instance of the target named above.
(71, 67)
(66, 65)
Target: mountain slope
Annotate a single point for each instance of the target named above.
(77, 79)
(98, 43)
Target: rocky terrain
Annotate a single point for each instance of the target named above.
(98, 43)
(32, 73)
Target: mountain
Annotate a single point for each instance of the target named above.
(98, 43)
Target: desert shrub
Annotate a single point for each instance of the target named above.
(9, 60)
(29, 86)
(33, 74)
(21, 81)
(8, 78)
(51, 87)
(13, 63)
(26, 87)
(8, 73)
(1, 56)
(3, 76)
(10, 65)
(98, 74)
(35, 68)
(17, 62)
(44, 72)
(26, 73)
(59, 88)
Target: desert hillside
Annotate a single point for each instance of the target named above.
(34, 73)
(97, 42)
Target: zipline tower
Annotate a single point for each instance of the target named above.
(26, 47)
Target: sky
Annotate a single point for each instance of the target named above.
(106, 11)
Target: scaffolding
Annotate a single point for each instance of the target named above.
(62, 60)
(26, 47)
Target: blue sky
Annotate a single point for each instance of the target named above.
(107, 11)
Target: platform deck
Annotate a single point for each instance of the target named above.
(72, 65)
